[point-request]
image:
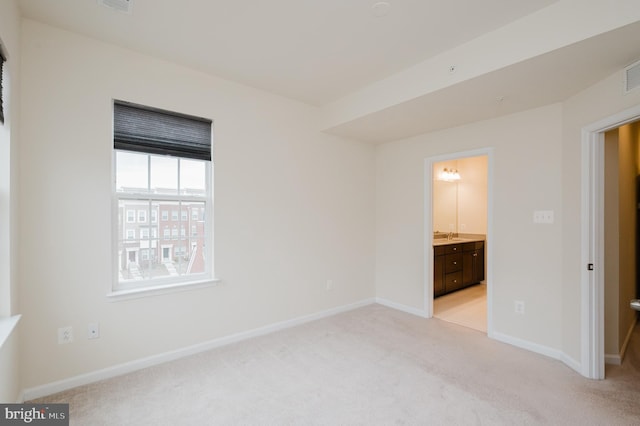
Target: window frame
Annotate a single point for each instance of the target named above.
(118, 287)
(145, 233)
(136, 288)
(3, 60)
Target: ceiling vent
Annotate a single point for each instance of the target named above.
(119, 5)
(632, 77)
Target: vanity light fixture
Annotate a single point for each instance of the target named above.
(449, 175)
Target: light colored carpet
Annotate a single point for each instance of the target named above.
(467, 307)
(370, 366)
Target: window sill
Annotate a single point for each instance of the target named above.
(116, 296)
(6, 327)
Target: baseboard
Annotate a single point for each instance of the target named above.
(539, 349)
(623, 350)
(530, 346)
(400, 307)
(571, 363)
(128, 367)
(612, 359)
(504, 338)
(616, 359)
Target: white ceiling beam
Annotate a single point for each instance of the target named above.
(554, 27)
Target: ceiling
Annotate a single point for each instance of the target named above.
(542, 80)
(322, 52)
(315, 51)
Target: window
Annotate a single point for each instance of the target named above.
(194, 214)
(166, 253)
(131, 234)
(162, 163)
(183, 215)
(2, 61)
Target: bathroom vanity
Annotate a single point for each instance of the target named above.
(458, 263)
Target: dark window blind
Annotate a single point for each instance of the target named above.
(2, 61)
(155, 131)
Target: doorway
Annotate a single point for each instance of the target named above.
(594, 239)
(460, 211)
(621, 165)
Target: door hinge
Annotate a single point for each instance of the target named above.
(590, 267)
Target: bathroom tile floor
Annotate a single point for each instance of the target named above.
(467, 307)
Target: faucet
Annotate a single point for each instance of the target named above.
(450, 235)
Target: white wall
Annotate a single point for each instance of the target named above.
(599, 101)
(527, 258)
(293, 208)
(537, 166)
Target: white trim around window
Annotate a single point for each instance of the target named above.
(141, 281)
(161, 161)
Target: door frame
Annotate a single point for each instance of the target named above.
(592, 237)
(428, 227)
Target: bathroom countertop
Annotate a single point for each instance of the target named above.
(469, 238)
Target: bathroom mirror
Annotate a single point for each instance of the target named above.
(459, 196)
(445, 200)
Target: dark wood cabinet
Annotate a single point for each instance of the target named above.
(472, 265)
(438, 276)
(456, 266)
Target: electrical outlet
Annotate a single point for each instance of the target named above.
(65, 335)
(519, 307)
(543, 216)
(329, 284)
(93, 330)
